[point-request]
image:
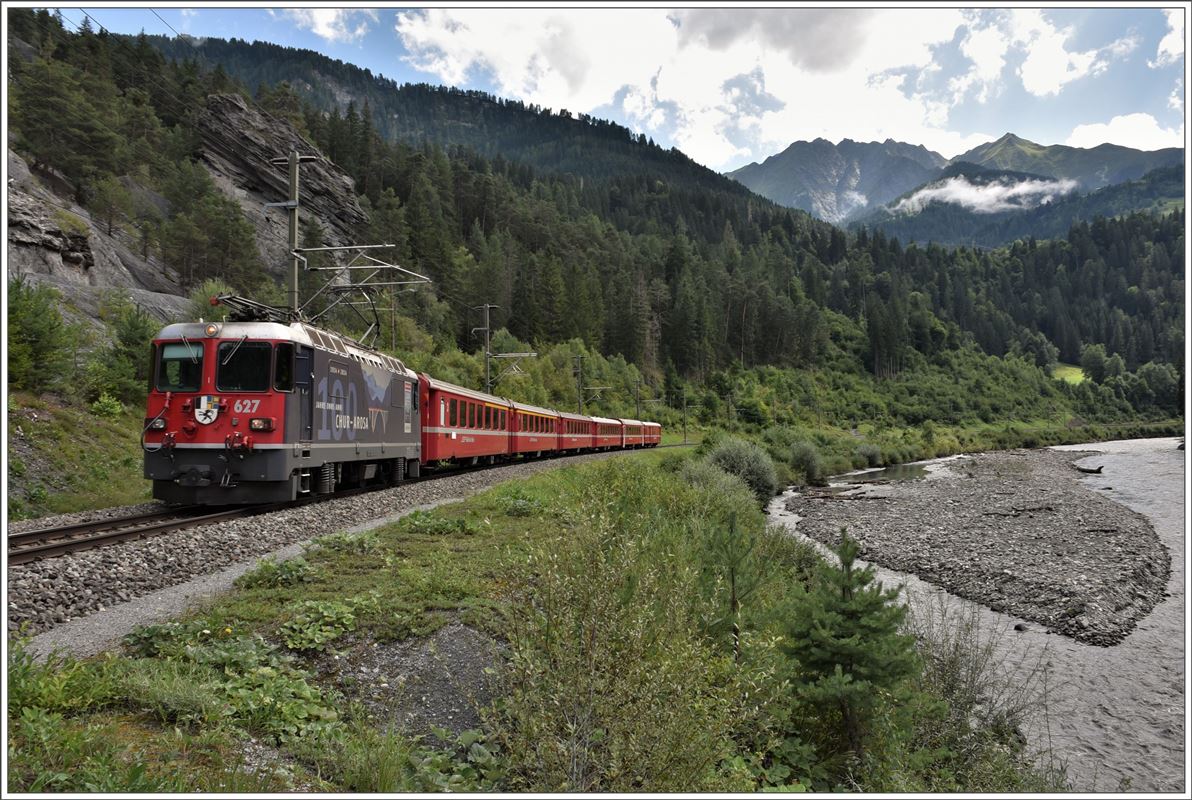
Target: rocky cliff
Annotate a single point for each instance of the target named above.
(54, 241)
(238, 142)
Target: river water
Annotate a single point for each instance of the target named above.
(1115, 715)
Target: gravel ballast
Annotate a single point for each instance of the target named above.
(45, 594)
(1015, 531)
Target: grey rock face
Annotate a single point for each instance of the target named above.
(53, 241)
(238, 144)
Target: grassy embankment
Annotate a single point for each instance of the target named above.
(610, 587)
(63, 456)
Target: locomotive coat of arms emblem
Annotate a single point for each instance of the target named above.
(206, 409)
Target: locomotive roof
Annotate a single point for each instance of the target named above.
(294, 332)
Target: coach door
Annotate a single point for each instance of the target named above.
(303, 378)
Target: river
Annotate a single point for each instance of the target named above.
(1115, 715)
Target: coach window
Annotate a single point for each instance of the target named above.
(488, 417)
(243, 366)
(503, 420)
(454, 412)
(283, 367)
(180, 367)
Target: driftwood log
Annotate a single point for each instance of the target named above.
(1096, 471)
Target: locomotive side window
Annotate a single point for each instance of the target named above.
(243, 366)
(180, 368)
(283, 367)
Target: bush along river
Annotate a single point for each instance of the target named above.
(1077, 577)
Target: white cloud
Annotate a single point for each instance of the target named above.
(986, 49)
(1171, 47)
(334, 24)
(1175, 100)
(1048, 65)
(1141, 131)
(988, 198)
(833, 74)
(188, 12)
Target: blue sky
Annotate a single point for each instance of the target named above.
(731, 86)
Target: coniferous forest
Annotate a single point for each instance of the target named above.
(580, 230)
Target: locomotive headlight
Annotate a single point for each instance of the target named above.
(158, 424)
(211, 329)
(260, 424)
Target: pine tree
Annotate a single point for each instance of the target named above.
(844, 634)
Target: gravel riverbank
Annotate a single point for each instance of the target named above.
(1015, 531)
(50, 593)
(1113, 715)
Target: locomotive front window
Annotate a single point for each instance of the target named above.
(243, 366)
(180, 368)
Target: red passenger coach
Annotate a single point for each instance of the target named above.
(575, 432)
(633, 433)
(462, 425)
(535, 429)
(651, 434)
(607, 433)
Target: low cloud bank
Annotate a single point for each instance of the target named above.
(987, 198)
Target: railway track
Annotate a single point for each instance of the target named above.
(51, 542)
(57, 541)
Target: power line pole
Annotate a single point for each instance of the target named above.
(488, 381)
(637, 396)
(579, 381)
(291, 206)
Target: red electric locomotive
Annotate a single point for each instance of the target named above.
(249, 412)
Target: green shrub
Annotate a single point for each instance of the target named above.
(40, 344)
(270, 574)
(353, 543)
(431, 524)
(107, 406)
(748, 462)
(709, 477)
(609, 687)
(316, 623)
(176, 693)
(805, 459)
(280, 703)
(59, 682)
(870, 455)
